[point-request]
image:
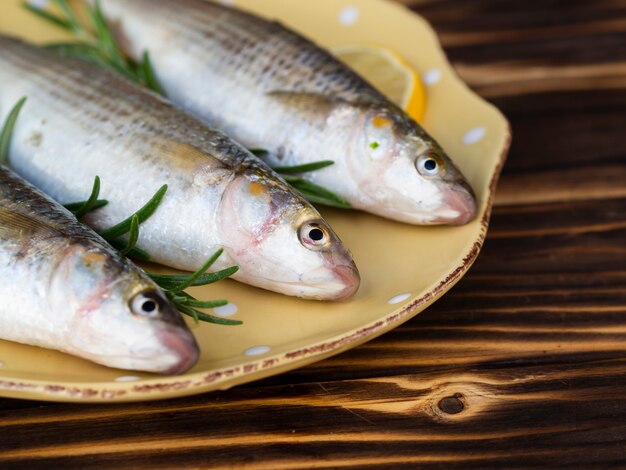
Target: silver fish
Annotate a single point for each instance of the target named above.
(269, 87)
(63, 287)
(80, 121)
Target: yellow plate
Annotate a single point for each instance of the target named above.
(404, 268)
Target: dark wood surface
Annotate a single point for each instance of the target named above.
(522, 365)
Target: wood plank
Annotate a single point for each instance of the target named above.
(557, 415)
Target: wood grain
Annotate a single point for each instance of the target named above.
(522, 365)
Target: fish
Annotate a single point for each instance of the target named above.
(269, 87)
(63, 287)
(81, 121)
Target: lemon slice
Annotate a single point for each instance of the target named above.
(389, 73)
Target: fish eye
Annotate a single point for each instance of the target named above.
(313, 235)
(145, 305)
(430, 165)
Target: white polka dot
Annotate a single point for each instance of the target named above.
(226, 310)
(228, 3)
(1, 364)
(474, 135)
(398, 298)
(257, 350)
(39, 3)
(349, 15)
(127, 378)
(431, 77)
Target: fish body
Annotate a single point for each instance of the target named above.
(63, 287)
(271, 88)
(80, 121)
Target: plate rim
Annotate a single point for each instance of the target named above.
(160, 388)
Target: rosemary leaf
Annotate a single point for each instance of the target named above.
(178, 299)
(105, 37)
(314, 199)
(197, 316)
(135, 253)
(143, 214)
(318, 195)
(259, 152)
(307, 167)
(7, 130)
(133, 235)
(172, 282)
(187, 299)
(51, 18)
(80, 209)
(70, 17)
(94, 57)
(199, 272)
(148, 75)
(74, 206)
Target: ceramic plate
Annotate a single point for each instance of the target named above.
(404, 268)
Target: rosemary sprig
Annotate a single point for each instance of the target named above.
(311, 191)
(95, 42)
(172, 285)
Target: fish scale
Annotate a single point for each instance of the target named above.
(80, 121)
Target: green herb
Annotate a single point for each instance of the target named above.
(173, 285)
(374, 145)
(311, 191)
(188, 305)
(95, 42)
(306, 168)
(133, 235)
(317, 194)
(259, 152)
(143, 214)
(147, 74)
(7, 130)
(81, 208)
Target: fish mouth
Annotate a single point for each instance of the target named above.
(329, 283)
(459, 203)
(182, 347)
(350, 278)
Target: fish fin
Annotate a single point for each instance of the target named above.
(13, 223)
(205, 167)
(308, 103)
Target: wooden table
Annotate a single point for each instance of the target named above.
(523, 364)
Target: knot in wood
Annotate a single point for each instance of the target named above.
(451, 405)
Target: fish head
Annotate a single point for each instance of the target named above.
(402, 173)
(120, 318)
(282, 241)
